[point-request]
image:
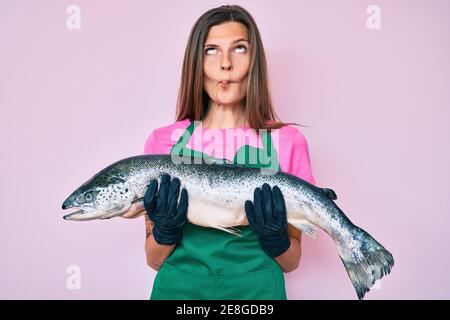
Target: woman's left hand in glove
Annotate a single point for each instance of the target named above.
(267, 218)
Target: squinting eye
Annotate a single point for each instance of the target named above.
(243, 47)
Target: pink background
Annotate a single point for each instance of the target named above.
(376, 103)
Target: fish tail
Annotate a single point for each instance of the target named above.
(366, 265)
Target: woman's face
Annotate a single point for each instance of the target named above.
(226, 63)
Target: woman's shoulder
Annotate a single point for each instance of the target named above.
(293, 152)
(292, 134)
(170, 128)
(161, 139)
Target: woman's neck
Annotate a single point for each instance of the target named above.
(224, 116)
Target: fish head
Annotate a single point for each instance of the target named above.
(102, 197)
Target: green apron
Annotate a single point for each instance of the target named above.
(212, 264)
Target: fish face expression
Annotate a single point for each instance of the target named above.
(99, 199)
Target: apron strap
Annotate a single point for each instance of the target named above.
(179, 148)
(269, 154)
(265, 158)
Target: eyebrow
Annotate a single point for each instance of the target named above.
(235, 41)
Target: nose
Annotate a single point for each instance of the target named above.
(225, 64)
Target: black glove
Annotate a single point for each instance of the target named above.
(267, 218)
(168, 219)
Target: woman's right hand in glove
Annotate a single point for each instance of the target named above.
(165, 211)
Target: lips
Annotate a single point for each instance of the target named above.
(225, 82)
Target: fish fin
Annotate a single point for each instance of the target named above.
(231, 165)
(329, 193)
(220, 161)
(306, 227)
(231, 230)
(227, 163)
(373, 262)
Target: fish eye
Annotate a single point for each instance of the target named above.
(88, 196)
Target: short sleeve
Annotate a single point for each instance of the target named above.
(151, 146)
(300, 160)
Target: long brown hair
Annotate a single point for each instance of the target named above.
(193, 101)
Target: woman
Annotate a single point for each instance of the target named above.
(224, 90)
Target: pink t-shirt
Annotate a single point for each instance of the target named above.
(288, 141)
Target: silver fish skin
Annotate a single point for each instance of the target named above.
(217, 192)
